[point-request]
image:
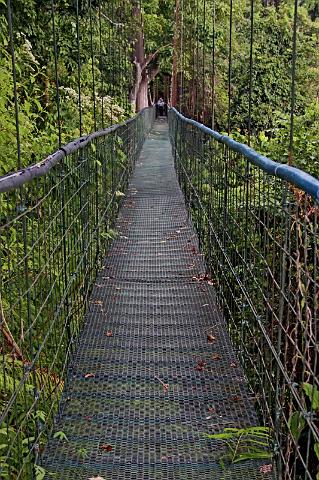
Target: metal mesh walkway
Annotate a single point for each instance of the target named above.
(145, 386)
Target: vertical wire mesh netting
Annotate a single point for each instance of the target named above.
(259, 234)
(54, 233)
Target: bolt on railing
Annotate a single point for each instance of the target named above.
(56, 226)
(257, 221)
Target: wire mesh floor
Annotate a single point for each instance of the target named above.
(145, 386)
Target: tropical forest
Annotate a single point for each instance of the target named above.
(159, 283)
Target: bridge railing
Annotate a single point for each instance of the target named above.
(257, 222)
(56, 225)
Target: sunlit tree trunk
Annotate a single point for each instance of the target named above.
(139, 97)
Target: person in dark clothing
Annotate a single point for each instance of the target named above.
(160, 107)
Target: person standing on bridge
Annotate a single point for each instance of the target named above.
(160, 107)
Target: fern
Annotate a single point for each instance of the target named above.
(250, 443)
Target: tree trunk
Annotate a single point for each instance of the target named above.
(142, 95)
(143, 74)
(139, 58)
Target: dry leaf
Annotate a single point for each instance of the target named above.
(266, 468)
(109, 333)
(97, 478)
(216, 356)
(106, 447)
(233, 365)
(96, 302)
(210, 338)
(164, 385)
(89, 375)
(236, 398)
(200, 365)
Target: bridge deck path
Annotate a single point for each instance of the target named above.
(120, 420)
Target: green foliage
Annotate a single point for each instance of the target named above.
(17, 437)
(104, 88)
(271, 75)
(313, 395)
(296, 424)
(61, 436)
(241, 444)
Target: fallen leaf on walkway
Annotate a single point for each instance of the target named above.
(233, 365)
(96, 302)
(202, 277)
(236, 398)
(211, 409)
(205, 305)
(96, 478)
(200, 365)
(164, 385)
(266, 468)
(216, 356)
(211, 338)
(89, 375)
(106, 447)
(109, 333)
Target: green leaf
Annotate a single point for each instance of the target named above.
(316, 449)
(119, 194)
(60, 436)
(39, 472)
(252, 455)
(296, 424)
(40, 415)
(313, 394)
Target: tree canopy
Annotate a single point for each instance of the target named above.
(89, 63)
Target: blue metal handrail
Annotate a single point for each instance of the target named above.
(294, 175)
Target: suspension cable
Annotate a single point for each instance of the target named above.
(204, 64)
(193, 92)
(79, 65)
(250, 69)
(197, 61)
(214, 65)
(92, 65)
(111, 50)
(56, 73)
(181, 95)
(15, 88)
(101, 64)
(293, 83)
(230, 63)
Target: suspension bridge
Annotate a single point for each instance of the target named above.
(158, 279)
